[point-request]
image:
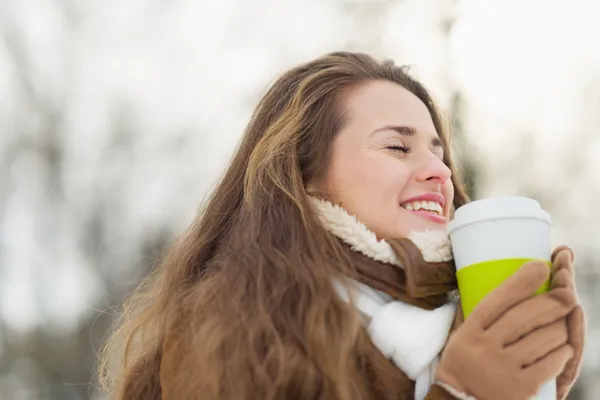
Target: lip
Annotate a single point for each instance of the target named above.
(430, 216)
(432, 196)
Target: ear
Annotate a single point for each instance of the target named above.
(311, 189)
(317, 188)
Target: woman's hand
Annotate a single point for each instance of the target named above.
(563, 276)
(513, 342)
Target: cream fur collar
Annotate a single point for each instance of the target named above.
(434, 245)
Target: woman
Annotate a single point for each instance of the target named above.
(319, 268)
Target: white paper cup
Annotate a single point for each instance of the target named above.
(491, 239)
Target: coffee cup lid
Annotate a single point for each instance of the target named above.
(498, 208)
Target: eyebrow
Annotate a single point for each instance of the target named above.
(406, 131)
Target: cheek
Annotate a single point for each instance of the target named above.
(448, 193)
(366, 179)
(343, 176)
(381, 174)
(391, 179)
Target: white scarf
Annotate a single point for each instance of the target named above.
(409, 336)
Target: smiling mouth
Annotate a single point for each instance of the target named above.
(431, 207)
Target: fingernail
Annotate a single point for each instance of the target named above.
(571, 253)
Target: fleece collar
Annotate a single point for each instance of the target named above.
(434, 245)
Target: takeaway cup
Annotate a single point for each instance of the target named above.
(491, 239)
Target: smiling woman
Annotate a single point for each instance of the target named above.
(320, 268)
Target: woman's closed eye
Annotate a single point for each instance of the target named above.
(400, 148)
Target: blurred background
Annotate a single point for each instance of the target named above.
(118, 116)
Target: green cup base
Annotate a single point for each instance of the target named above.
(477, 280)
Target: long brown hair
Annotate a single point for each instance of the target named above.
(242, 306)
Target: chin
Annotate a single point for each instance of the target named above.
(410, 222)
(425, 225)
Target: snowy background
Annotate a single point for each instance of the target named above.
(117, 117)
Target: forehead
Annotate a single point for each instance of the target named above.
(372, 104)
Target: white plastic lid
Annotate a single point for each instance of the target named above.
(498, 208)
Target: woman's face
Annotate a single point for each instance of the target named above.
(386, 163)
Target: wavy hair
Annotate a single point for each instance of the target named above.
(242, 304)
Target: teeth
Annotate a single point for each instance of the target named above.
(424, 205)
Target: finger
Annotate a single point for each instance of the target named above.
(533, 314)
(576, 328)
(540, 343)
(576, 324)
(549, 366)
(576, 332)
(562, 279)
(563, 258)
(561, 249)
(519, 287)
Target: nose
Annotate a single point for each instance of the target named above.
(433, 169)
